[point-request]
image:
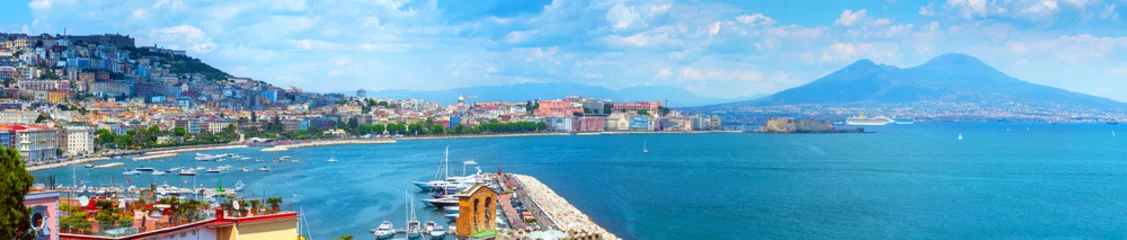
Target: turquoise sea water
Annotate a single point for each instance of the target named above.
(906, 181)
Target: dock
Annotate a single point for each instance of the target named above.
(196, 149)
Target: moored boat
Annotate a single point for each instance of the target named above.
(384, 231)
(264, 169)
(188, 172)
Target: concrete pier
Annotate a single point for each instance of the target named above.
(565, 216)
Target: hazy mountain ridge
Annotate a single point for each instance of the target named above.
(678, 97)
(950, 77)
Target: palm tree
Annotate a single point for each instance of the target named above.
(274, 203)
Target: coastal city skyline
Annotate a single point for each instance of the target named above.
(704, 47)
(562, 119)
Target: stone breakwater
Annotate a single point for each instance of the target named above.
(155, 156)
(66, 163)
(195, 149)
(286, 147)
(566, 217)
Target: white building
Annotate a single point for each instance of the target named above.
(18, 117)
(79, 140)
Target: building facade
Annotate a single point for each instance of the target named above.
(77, 140)
(557, 108)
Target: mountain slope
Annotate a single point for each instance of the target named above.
(948, 78)
(531, 91)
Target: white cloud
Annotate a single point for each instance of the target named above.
(40, 4)
(519, 36)
(1110, 13)
(1079, 4)
(714, 29)
(968, 8)
(849, 17)
(620, 16)
(1042, 9)
(928, 10)
(663, 74)
(139, 13)
(660, 9)
(754, 19)
(193, 39)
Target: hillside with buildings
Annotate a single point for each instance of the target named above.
(89, 96)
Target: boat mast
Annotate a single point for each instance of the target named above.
(446, 162)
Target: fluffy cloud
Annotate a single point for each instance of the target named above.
(184, 37)
(620, 16)
(849, 17)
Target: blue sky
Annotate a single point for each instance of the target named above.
(712, 48)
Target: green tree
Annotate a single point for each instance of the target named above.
(180, 131)
(41, 118)
(253, 117)
(15, 183)
(345, 237)
(643, 112)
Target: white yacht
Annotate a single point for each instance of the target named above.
(434, 230)
(131, 172)
(208, 157)
(384, 231)
(244, 169)
(158, 173)
(188, 172)
(264, 169)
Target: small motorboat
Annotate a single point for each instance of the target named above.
(89, 165)
(437, 232)
(384, 231)
(244, 169)
(158, 173)
(131, 173)
(188, 172)
(213, 170)
(451, 209)
(451, 216)
(239, 186)
(264, 169)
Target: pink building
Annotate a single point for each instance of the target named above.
(44, 214)
(557, 108)
(591, 124)
(635, 106)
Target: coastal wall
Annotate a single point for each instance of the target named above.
(793, 125)
(66, 163)
(562, 213)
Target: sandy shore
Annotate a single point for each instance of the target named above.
(319, 143)
(566, 217)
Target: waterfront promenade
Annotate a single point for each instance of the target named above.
(563, 215)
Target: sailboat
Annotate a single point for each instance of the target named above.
(644, 149)
(333, 158)
(960, 136)
(414, 228)
(443, 172)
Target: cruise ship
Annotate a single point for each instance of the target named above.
(873, 121)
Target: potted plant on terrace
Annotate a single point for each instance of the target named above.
(255, 204)
(274, 202)
(243, 208)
